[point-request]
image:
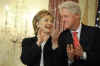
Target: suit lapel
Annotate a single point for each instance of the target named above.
(84, 37)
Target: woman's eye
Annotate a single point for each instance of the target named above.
(46, 20)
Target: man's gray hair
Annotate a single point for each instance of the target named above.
(73, 7)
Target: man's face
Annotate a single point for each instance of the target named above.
(68, 19)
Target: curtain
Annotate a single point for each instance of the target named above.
(84, 18)
(88, 11)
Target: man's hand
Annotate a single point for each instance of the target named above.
(73, 52)
(78, 51)
(70, 52)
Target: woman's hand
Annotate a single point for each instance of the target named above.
(55, 35)
(42, 36)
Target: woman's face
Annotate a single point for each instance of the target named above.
(46, 24)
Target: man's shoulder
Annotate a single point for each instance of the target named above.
(90, 28)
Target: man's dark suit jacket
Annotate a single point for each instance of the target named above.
(90, 42)
(31, 53)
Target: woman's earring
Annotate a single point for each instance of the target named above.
(37, 24)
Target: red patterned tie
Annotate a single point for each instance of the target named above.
(75, 39)
(75, 42)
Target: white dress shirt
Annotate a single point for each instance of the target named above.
(42, 60)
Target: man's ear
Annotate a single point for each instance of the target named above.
(77, 15)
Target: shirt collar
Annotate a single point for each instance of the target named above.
(79, 29)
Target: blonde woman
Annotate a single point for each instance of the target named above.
(39, 50)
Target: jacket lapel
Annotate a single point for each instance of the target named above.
(84, 37)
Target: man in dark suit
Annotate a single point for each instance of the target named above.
(81, 42)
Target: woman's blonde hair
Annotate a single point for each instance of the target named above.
(37, 18)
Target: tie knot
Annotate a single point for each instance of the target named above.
(74, 33)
